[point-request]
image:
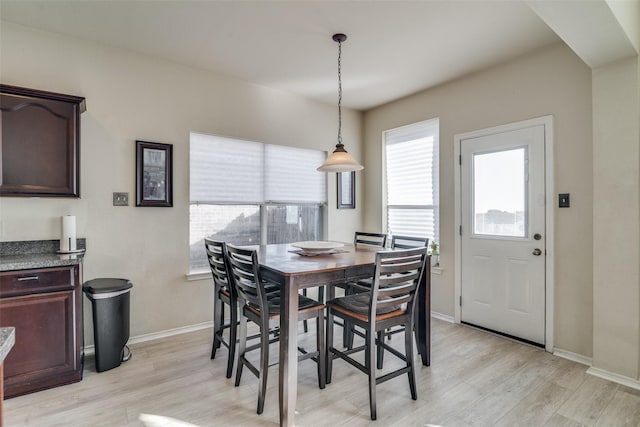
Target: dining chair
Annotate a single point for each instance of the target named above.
(390, 302)
(224, 294)
(364, 285)
(260, 308)
(360, 239)
(397, 242)
(408, 242)
(369, 239)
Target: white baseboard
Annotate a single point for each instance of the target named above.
(574, 357)
(616, 378)
(441, 316)
(90, 349)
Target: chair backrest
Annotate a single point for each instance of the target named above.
(408, 242)
(396, 279)
(244, 272)
(217, 256)
(370, 239)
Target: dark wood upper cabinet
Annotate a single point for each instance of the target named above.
(40, 144)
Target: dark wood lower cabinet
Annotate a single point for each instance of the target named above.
(45, 307)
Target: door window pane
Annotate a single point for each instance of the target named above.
(500, 193)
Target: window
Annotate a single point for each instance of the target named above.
(500, 193)
(249, 193)
(411, 172)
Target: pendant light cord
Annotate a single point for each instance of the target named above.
(339, 92)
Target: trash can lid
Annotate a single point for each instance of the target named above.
(105, 285)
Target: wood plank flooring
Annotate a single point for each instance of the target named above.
(476, 379)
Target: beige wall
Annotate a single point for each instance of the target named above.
(132, 97)
(627, 14)
(552, 81)
(616, 214)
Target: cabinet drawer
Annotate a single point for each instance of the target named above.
(25, 282)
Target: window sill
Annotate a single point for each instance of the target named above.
(198, 275)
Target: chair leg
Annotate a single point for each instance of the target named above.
(264, 366)
(329, 344)
(347, 331)
(408, 345)
(233, 332)
(322, 352)
(222, 310)
(347, 335)
(380, 348)
(305, 323)
(242, 349)
(218, 320)
(369, 361)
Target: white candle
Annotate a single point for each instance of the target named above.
(68, 239)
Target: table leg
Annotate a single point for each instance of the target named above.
(423, 326)
(288, 372)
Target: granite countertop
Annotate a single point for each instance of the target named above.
(7, 339)
(36, 254)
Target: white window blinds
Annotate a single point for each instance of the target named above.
(412, 179)
(226, 170)
(291, 175)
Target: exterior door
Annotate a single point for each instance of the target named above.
(503, 232)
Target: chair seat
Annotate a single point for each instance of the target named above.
(357, 306)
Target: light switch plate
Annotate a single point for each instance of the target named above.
(120, 199)
(564, 200)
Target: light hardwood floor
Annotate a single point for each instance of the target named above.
(475, 379)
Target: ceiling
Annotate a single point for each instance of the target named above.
(394, 48)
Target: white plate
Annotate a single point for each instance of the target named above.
(317, 246)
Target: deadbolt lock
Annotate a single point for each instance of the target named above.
(537, 236)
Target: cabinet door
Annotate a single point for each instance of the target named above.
(40, 143)
(44, 353)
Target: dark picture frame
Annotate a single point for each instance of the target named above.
(154, 174)
(346, 190)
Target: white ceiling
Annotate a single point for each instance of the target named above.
(394, 48)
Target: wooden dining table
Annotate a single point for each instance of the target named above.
(282, 264)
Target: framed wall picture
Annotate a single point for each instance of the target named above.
(346, 190)
(154, 174)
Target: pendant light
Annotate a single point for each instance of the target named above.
(340, 160)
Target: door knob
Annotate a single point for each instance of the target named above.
(537, 252)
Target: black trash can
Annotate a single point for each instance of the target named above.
(110, 304)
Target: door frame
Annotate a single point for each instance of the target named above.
(547, 122)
